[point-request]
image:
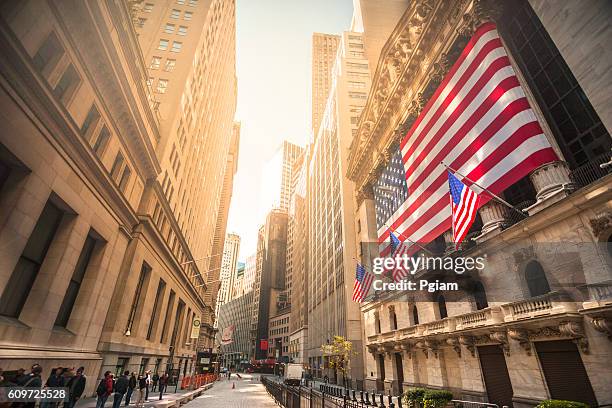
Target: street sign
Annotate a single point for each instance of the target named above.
(195, 328)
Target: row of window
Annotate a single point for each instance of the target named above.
(148, 7)
(170, 29)
(176, 14)
(163, 45)
(169, 64)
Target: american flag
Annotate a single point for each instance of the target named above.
(464, 204)
(363, 281)
(398, 250)
(479, 122)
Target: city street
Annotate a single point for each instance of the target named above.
(249, 392)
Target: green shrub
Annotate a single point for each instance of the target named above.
(436, 398)
(415, 394)
(561, 404)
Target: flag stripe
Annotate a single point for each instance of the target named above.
(478, 122)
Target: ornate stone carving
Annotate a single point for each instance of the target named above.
(602, 324)
(454, 343)
(576, 331)
(482, 11)
(601, 224)
(468, 343)
(417, 105)
(440, 68)
(522, 336)
(501, 338)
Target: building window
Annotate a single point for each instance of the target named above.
(358, 95)
(188, 15)
(480, 296)
(392, 318)
(577, 128)
(355, 45)
(49, 53)
(169, 308)
(155, 63)
(22, 279)
(148, 7)
(176, 46)
(125, 178)
(415, 315)
(141, 22)
(161, 288)
(117, 164)
(536, 279)
(67, 84)
(144, 271)
(101, 141)
(182, 30)
(75, 282)
(357, 84)
(180, 2)
(175, 13)
(162, 85)
(377, 327)
(193, 3)
(169, 28)
(170, 63)
(163, 45)
(442, 306)
(90, 123)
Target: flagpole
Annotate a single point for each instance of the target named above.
(495, 196)
(409, 240)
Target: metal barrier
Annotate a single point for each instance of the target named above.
(472, 404)
(196, 381)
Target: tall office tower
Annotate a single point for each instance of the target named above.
(238, 288)
(116, 185)
(324, 47)
(229, 264)
(249, 272)
(269, 279)
(195, 101)
(237, 313)
(331, 227)
(277, 177)
(296, 280)
(376, 19)
(215, 266)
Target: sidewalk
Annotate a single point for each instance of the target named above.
(170, 399)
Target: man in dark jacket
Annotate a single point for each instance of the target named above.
(121, 387)
(105, 388)
(76, 386)
(131, 386)
(33, 380)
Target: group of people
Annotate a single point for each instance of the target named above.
(75, 381)
(126, 384)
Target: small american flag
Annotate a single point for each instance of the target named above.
(398, 249)
(363, 281)
(464, 205)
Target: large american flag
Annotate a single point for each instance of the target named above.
(363, 281)
(478, 122)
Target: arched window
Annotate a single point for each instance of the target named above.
(536, 279)
(415, 314)
(392, 318)
(480, 296)
(442, 306)
(377, 322)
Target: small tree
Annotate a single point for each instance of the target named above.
(339, 353)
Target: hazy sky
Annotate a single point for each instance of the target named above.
(273, 66)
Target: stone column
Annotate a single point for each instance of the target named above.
(552, 183)
(492, 214)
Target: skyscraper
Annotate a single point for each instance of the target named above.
(278, 176)
(229, 264)
(324, 47)
(331, 227)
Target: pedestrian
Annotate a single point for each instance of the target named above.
(76, 386)
(326, 379)
(33, 380)
(131, 387)
(142, 384)
(155, 379)
(21, 377)
(163, 382)
(121, 387)
(55, 380)
(105, 388)
(148, 379)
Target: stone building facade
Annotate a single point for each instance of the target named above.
(534, 323)
(97, 263)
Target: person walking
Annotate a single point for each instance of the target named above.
(76, 386)
(55, 380)
(131, 386)
(148, 379)
(142, 384)
(155, 379)
(121, 387)
(105, 388)
(163, 382)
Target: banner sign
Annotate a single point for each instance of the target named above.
(195, 328)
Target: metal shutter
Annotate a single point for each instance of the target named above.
(564, 371)
(495, 375)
